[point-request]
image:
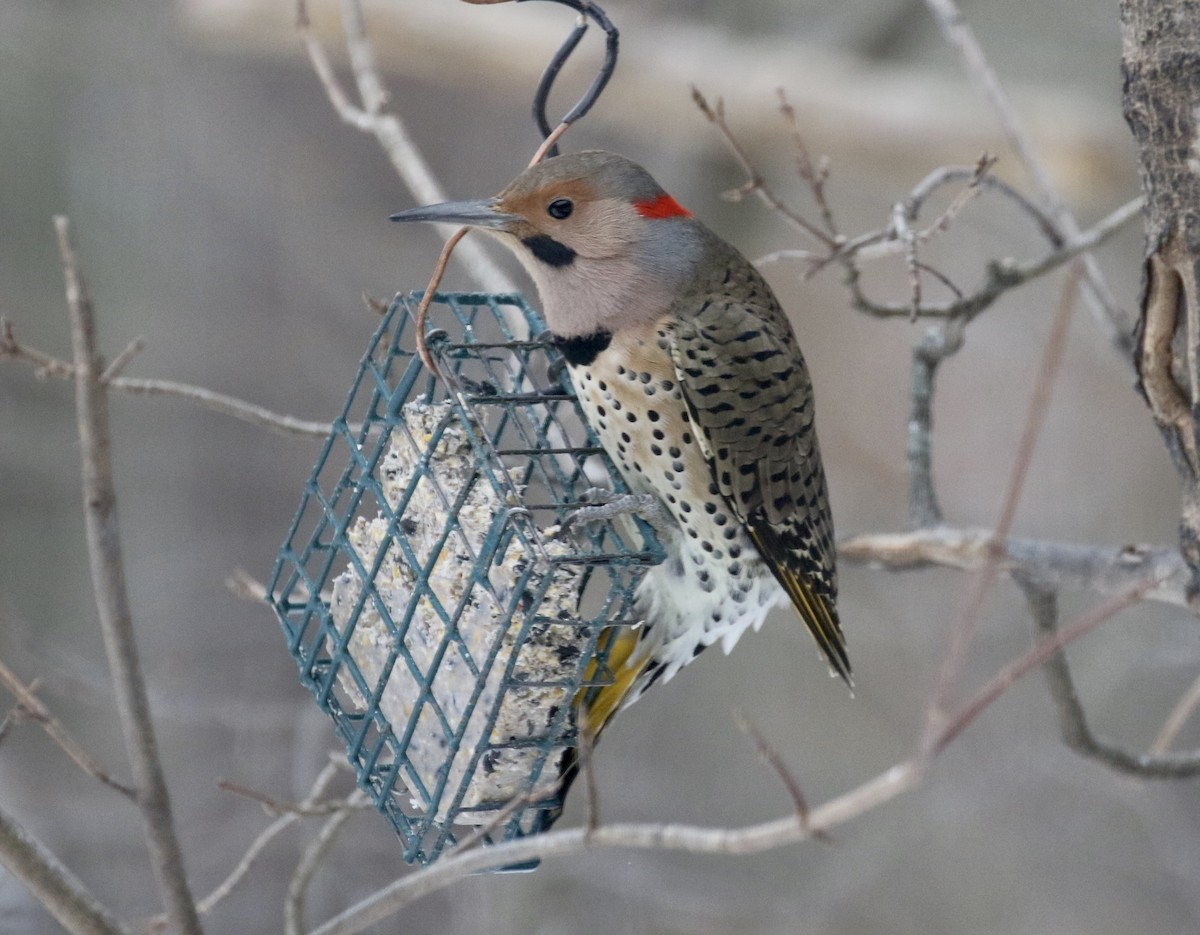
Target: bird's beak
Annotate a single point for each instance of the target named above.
(473, 213)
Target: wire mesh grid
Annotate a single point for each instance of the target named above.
(434, 607)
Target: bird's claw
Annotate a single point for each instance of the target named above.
(606, 505)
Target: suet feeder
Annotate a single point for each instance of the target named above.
(436, 609)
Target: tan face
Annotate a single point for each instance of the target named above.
(570, 213)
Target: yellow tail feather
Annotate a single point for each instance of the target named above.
(621, 642)
(817, 615)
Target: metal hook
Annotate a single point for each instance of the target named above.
(587, 10)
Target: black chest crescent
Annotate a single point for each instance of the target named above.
(582, 351)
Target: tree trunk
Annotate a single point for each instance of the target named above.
(1160, 63)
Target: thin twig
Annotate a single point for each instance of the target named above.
(43, 364)
(778, 256)
(959, 34)
(901, 232)
(587, 766)
(439, 269)
(963, 630)
(51, 883)
(940, 277)
(36, 711)
(112, 599)
(1073, 723)
(963, 197)
(502, 815)
(755, 182)
(17, 712)
(310, 807)
(814, 175)
(1001, 275)
(257, 846)
(310, 861)
(1046, 649)
(122, 360)
(389, 130)
(244, 585)
(1039, 403)
(47, 366)
(1184, 709)
(772, 758)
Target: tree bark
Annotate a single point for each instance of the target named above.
(1160, 64)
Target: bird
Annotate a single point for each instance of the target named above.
(689, 372)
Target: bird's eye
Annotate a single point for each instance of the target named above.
(560, 208)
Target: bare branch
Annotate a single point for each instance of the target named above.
(1001, 276)
(749, 840)
(54, 886)
(122, 360)
(587, 744)
(815, 175)
(1076, 732)
(36, 711)
(960, 635)
(394, 139)
(937, 344)
(244, 585)
(310, 807)
(975, 178)
(16, 713)
(1046, 649)
(1104, 570)
(940, 277)
(778, 256)
(755, 182)
(47, 366)
(44, 365)
(258, 845)
(898, 238)
(965, 195)
(772, 758)
(1184, 709)
(112, 599)
(372, 117)
(958, 33)
(310, 861)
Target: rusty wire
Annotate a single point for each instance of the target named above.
(587, 11)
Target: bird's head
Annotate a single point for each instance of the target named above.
(605, 245)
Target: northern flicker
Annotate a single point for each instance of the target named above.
(689, 372)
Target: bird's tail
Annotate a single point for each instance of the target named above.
(818, 613)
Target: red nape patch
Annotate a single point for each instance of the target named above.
(664, 206)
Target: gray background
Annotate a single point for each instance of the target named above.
(223, 212)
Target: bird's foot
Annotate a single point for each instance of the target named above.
(605, 505)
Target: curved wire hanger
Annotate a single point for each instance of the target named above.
(587, 11)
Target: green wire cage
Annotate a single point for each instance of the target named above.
(435, 608)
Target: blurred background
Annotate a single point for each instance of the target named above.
(224, 213)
